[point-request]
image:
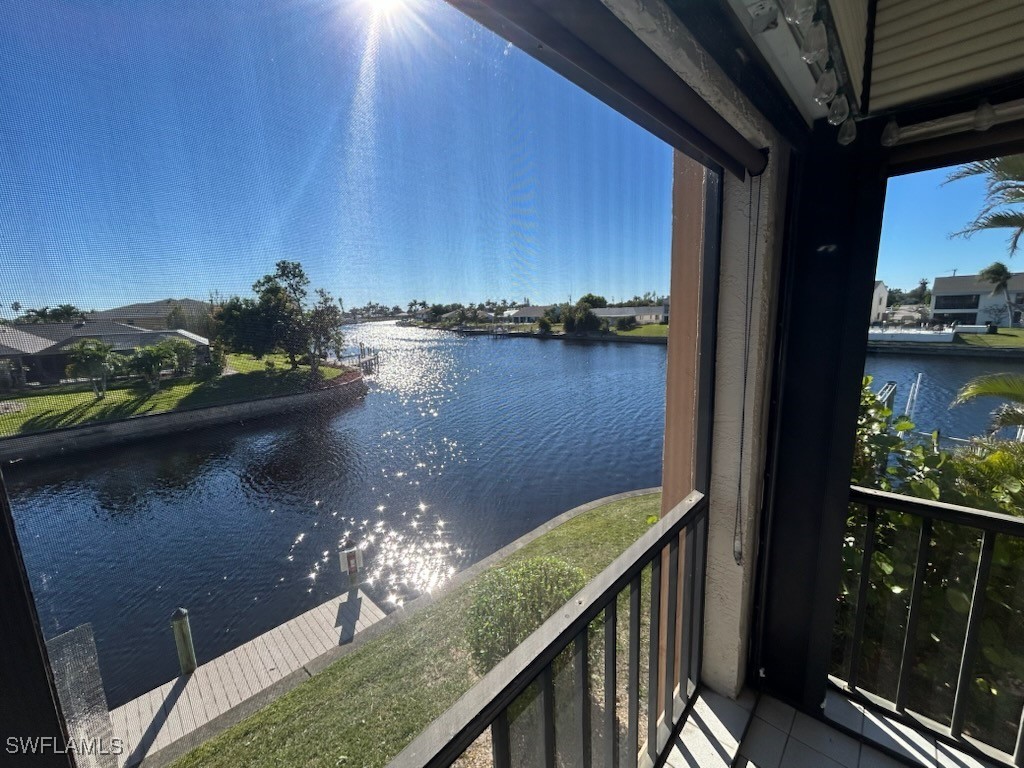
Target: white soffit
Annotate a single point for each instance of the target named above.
(851, 21)
(926, 48)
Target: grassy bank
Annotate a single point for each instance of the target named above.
(1007, 338)
(364, 708)
(60, 407)
(656, 330)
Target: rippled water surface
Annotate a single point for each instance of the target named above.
(461, 446)
(942, 378)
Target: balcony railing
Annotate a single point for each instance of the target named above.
(912, 641)
(672, 583)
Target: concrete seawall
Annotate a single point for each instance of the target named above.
(96, 435)
(945, 350)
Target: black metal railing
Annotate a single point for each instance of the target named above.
(673, 630)
(919, 521)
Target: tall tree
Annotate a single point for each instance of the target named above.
(1003, 207)
(287, 275)
(323, 327)
(999, 277)
(148, 362)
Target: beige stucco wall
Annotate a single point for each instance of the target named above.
(737, 465)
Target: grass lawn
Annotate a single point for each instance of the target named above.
(1007, 337)
(363, 709)
(653, 329)
(61, 407)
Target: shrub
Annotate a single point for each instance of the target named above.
(544, 325)
(625, 324)
(510, 603)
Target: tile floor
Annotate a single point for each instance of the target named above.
(780, 737)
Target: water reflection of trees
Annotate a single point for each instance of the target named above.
(312, 453)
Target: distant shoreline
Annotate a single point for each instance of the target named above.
(589, 338)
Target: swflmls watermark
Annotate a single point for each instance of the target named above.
(51, 745)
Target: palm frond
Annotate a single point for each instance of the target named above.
(1009, 386)
(1013, 220)
(1007, 415)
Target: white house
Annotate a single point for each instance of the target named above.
(525, 314)
(879, 300)
(642, 315)
(968, 300)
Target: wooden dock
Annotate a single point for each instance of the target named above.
(180, 707)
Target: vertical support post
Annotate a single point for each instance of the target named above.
(633, 676)
(862, 597)
(183, 641)
(611, 726)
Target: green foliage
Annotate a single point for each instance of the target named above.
(625, 323)
(214, 365)
(509, 603)
(149, 361)
(1004, 196)
(989, 475)
(94, 360)
(593, 300)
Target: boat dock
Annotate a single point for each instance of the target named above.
(184, 705)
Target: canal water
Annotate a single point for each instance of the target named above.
(460, 446)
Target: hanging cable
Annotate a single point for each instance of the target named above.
(753, 219)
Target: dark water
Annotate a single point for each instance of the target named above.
(461, 446)
(943, 377)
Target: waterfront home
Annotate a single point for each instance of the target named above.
(640, 315)
(524, 315)
(780, 167)
(969, 300)
(40, 352)
(157, 315)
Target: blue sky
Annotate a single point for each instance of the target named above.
(161, 148)
(157, 148)
(921, 214)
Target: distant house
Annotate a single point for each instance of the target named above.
(879, 301)
(40, 352)
(525, 315)
(156, 315)
(642, 315)
(969, 301)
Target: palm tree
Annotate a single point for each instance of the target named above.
(999, 277)
(94, 360)
(1008, 386)
(1004, 196)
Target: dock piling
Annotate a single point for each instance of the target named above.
(183, 641)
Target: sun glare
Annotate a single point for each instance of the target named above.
(388, 8)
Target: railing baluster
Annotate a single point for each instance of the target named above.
(652, 659)
(611, 725)
(700, 529)
(913, 614)
(547, 707)
(988, 542)
(668, 680)
(501, 746)
(862, 596)
(581, 671)
(633, 676)
(686, 625)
